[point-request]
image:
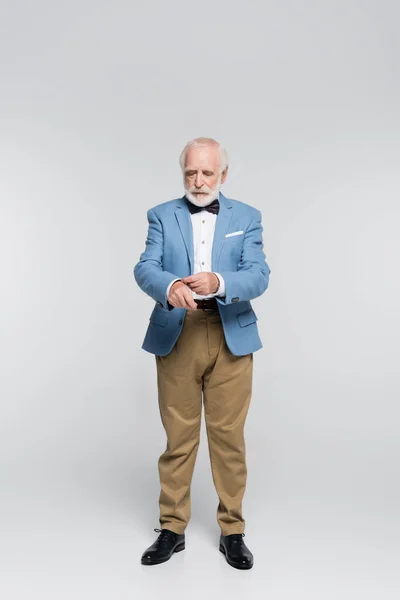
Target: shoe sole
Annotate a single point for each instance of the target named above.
(222, 549)
(179, 548)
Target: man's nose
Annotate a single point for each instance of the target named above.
(199, 180)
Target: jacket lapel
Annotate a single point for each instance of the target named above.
(182, 215)
(221, 226)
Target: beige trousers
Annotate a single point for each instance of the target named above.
(200, 367)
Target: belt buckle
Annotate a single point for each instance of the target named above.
(202, 303)
(212, 308)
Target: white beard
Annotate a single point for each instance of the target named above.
(205, 199)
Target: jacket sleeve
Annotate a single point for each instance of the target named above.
(252, 277)
(148, 272)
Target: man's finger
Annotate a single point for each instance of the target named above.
(190, 278)
(188, 304)
(189, 300)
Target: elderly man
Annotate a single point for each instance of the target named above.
(203, 333)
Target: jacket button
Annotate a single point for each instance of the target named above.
(180, 321)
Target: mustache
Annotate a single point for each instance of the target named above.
(205, 189)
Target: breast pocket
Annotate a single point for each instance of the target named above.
(232, 247)
(234, 233)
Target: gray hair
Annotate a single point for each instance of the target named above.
(204, 141)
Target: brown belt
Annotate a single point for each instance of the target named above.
(207, 303)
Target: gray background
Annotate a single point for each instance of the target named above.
(97, 101)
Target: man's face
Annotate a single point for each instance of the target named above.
(202, 177)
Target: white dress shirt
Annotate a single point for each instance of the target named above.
(203, 223)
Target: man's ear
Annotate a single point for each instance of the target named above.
(224, 175)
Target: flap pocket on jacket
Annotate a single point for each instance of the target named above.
(247, 317)
(159, 318)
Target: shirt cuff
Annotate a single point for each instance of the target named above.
(221, 290)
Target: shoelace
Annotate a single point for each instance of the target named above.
(165, 534)
(237, 537)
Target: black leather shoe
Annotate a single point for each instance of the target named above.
(163, 548)
(236, 552)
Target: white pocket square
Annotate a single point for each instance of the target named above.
(233, 233)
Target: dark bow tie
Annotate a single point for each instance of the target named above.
(213, 207)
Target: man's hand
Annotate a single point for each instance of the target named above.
(180, 296)
(202, 283)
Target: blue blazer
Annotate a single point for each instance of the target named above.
(239, 259)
